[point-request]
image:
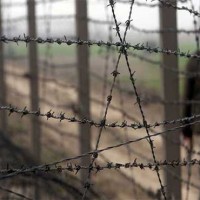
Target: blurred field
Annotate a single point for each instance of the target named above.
(148, 75)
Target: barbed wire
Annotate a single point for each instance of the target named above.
(123, 41)
(71, 106)
(75, 168)
(184, 8)
(115, 73)
(139, 47)
(123, 48)
(126, 115)
(61, 116)
(123, 113)
(144, 157)
(95, 153)
(160, 65)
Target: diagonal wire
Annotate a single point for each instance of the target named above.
(95, 152)
(135, 89)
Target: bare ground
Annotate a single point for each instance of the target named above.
(64, 143)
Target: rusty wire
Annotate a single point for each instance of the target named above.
(126, 115)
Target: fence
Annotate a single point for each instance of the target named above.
(101, 111)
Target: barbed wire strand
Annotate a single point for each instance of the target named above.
(109, 165)
(125, 126)
(159, 64)
(132, 118)
(64, 40)
(126, 137)
(77, 168)
(123, 113)
(109, 99)
(136, 93)
(168, 131)
(126, 115)
(61, 116)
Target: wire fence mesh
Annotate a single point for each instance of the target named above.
(122, 110)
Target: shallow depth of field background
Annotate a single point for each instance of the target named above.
(58, 84)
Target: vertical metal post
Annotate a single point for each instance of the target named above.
(170, 79)
(34, 89)
(84, 82)
(3, 120)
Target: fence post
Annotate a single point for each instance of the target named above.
(3, 117)
(84, 83)
(34, 89)
(170, 93)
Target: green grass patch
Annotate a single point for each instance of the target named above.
(54, 49)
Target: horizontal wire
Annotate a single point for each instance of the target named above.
(61, 116)
(95, 153)
(168, 4)
(64, 40)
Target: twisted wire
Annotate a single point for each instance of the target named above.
(75, 168)
(107, 22)
(126, 46)
(135, 91)
(61, 116)
(184, 8)
(93, 153)
(115, 73)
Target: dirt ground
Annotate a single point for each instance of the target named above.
(63, 141)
